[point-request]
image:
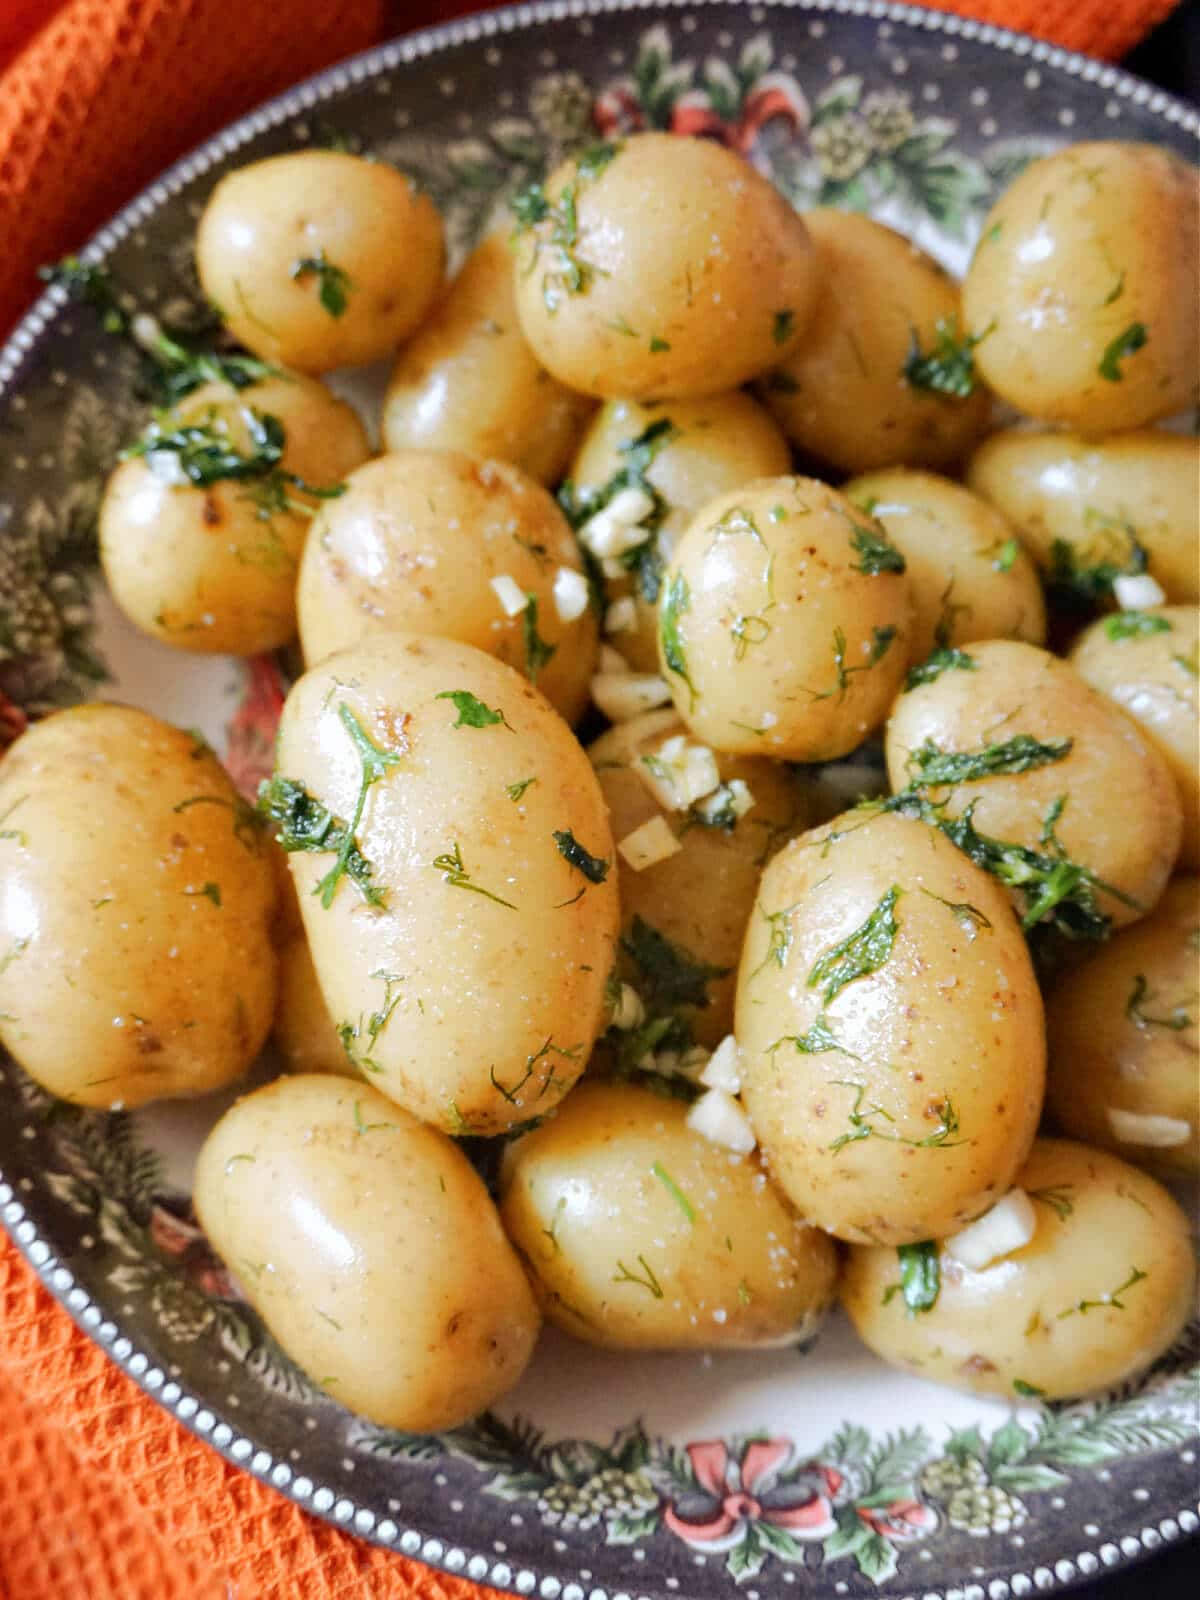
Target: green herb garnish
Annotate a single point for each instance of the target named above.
(559, 225)
(334, 283)
(945, 659)
(875, 550)
(881, 643)
(472, 713)
(649, 1282)
(782, 325)
(678, 600)
(644, 560)
(537, 652)
(594, 868)
(305, 824)
(931, 768)
(1175, 1020)
(862, 1126)
(1006, 554)
(920, 1275)
(514, 791)
(210, 891)
(1127, 343)
(450, 865)
(673, 1189)
(1134, 625)
(1111, 1300)
(669, 975)
(1058, 1199)
(862, 952)
(949, 368)
(351, 1033)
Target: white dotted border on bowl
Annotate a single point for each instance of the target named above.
(58, 1278)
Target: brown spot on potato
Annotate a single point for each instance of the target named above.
(211, 514)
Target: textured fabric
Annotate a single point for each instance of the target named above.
(103, 1496)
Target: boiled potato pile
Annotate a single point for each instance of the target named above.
(874, 884)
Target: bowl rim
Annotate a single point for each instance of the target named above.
(408, 50)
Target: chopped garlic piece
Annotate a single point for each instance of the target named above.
(616, 529)
(629, 1012)
(570, 594)
(612, 662)
(678, 773)
(719, 1118)
(146, 330)
(731, 799)
(1008, 1226)
(510, 594)
(613, 569)
(1152, 1132)
(167, 468)
(621, 616)
(724, 1067)
(1138, 592)
(627, 694)
(649, 844)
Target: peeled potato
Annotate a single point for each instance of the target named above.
(319, 259)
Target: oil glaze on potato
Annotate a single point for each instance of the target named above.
(640, 1234)
(1103, 1288)
(843, 395)
(468, 381)
(708, 448)
(891, 1031)
(1083, 507)
(1146, 662)
(472, 989)
(135, 953)
(211, 569)
(413, 546)
(1122, 1037)
(700, 898)
(319, 259)
(1120, 816)
(969, 575)
(1082, 289)
(661, 268)
(304, 1033)
(370, 1248)
(783, 622)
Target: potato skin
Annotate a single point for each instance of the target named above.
(362, 217)
(199, 568)
(135, 952)
(608, 1183)
(412, 546)
(702, 897)
(370, 1248)
(1122, 815)
(718, 444)
(788, 647)
(842, 396)
(490, 1008)
(1153, 678)
(1083, 287)
(468, 381)
(1019, 1320)
(1115, 1039)
(304, 1033)
(967, 580)
(945, 1036)
(696, 273)
(1091, 498)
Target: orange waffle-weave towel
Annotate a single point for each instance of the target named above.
(103, 1496)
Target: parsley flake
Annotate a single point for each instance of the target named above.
(1127, 343)
(472, 713)
(949, 368)
(678, 600)
(450, 865)
(1134, 625)
(333, 283)
(875, 550)
(594, 868)
(931, 768)
(782, 326)
(945, 659)
(538, 653)
(673, 1189)
(861, 953)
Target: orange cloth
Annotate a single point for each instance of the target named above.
(103, 1495)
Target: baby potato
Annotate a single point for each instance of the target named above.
(453, 856)
(319, 259)
(370, 1248)
(213, 568)
(970, 577)
(468, 381)
(698, 449)
(135, 953)
(851, 393)
(640, 1234)
(890, 1029)
(1146, 662)
(414, 546)
(1103, 1288)
(1040, 759)
(1087, 508)
(1123, 1040)
(304, 1033)
(783, 622)
(661, 268)
(1082, 289)
(699, 899)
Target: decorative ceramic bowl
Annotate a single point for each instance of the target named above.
(815, 1471)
